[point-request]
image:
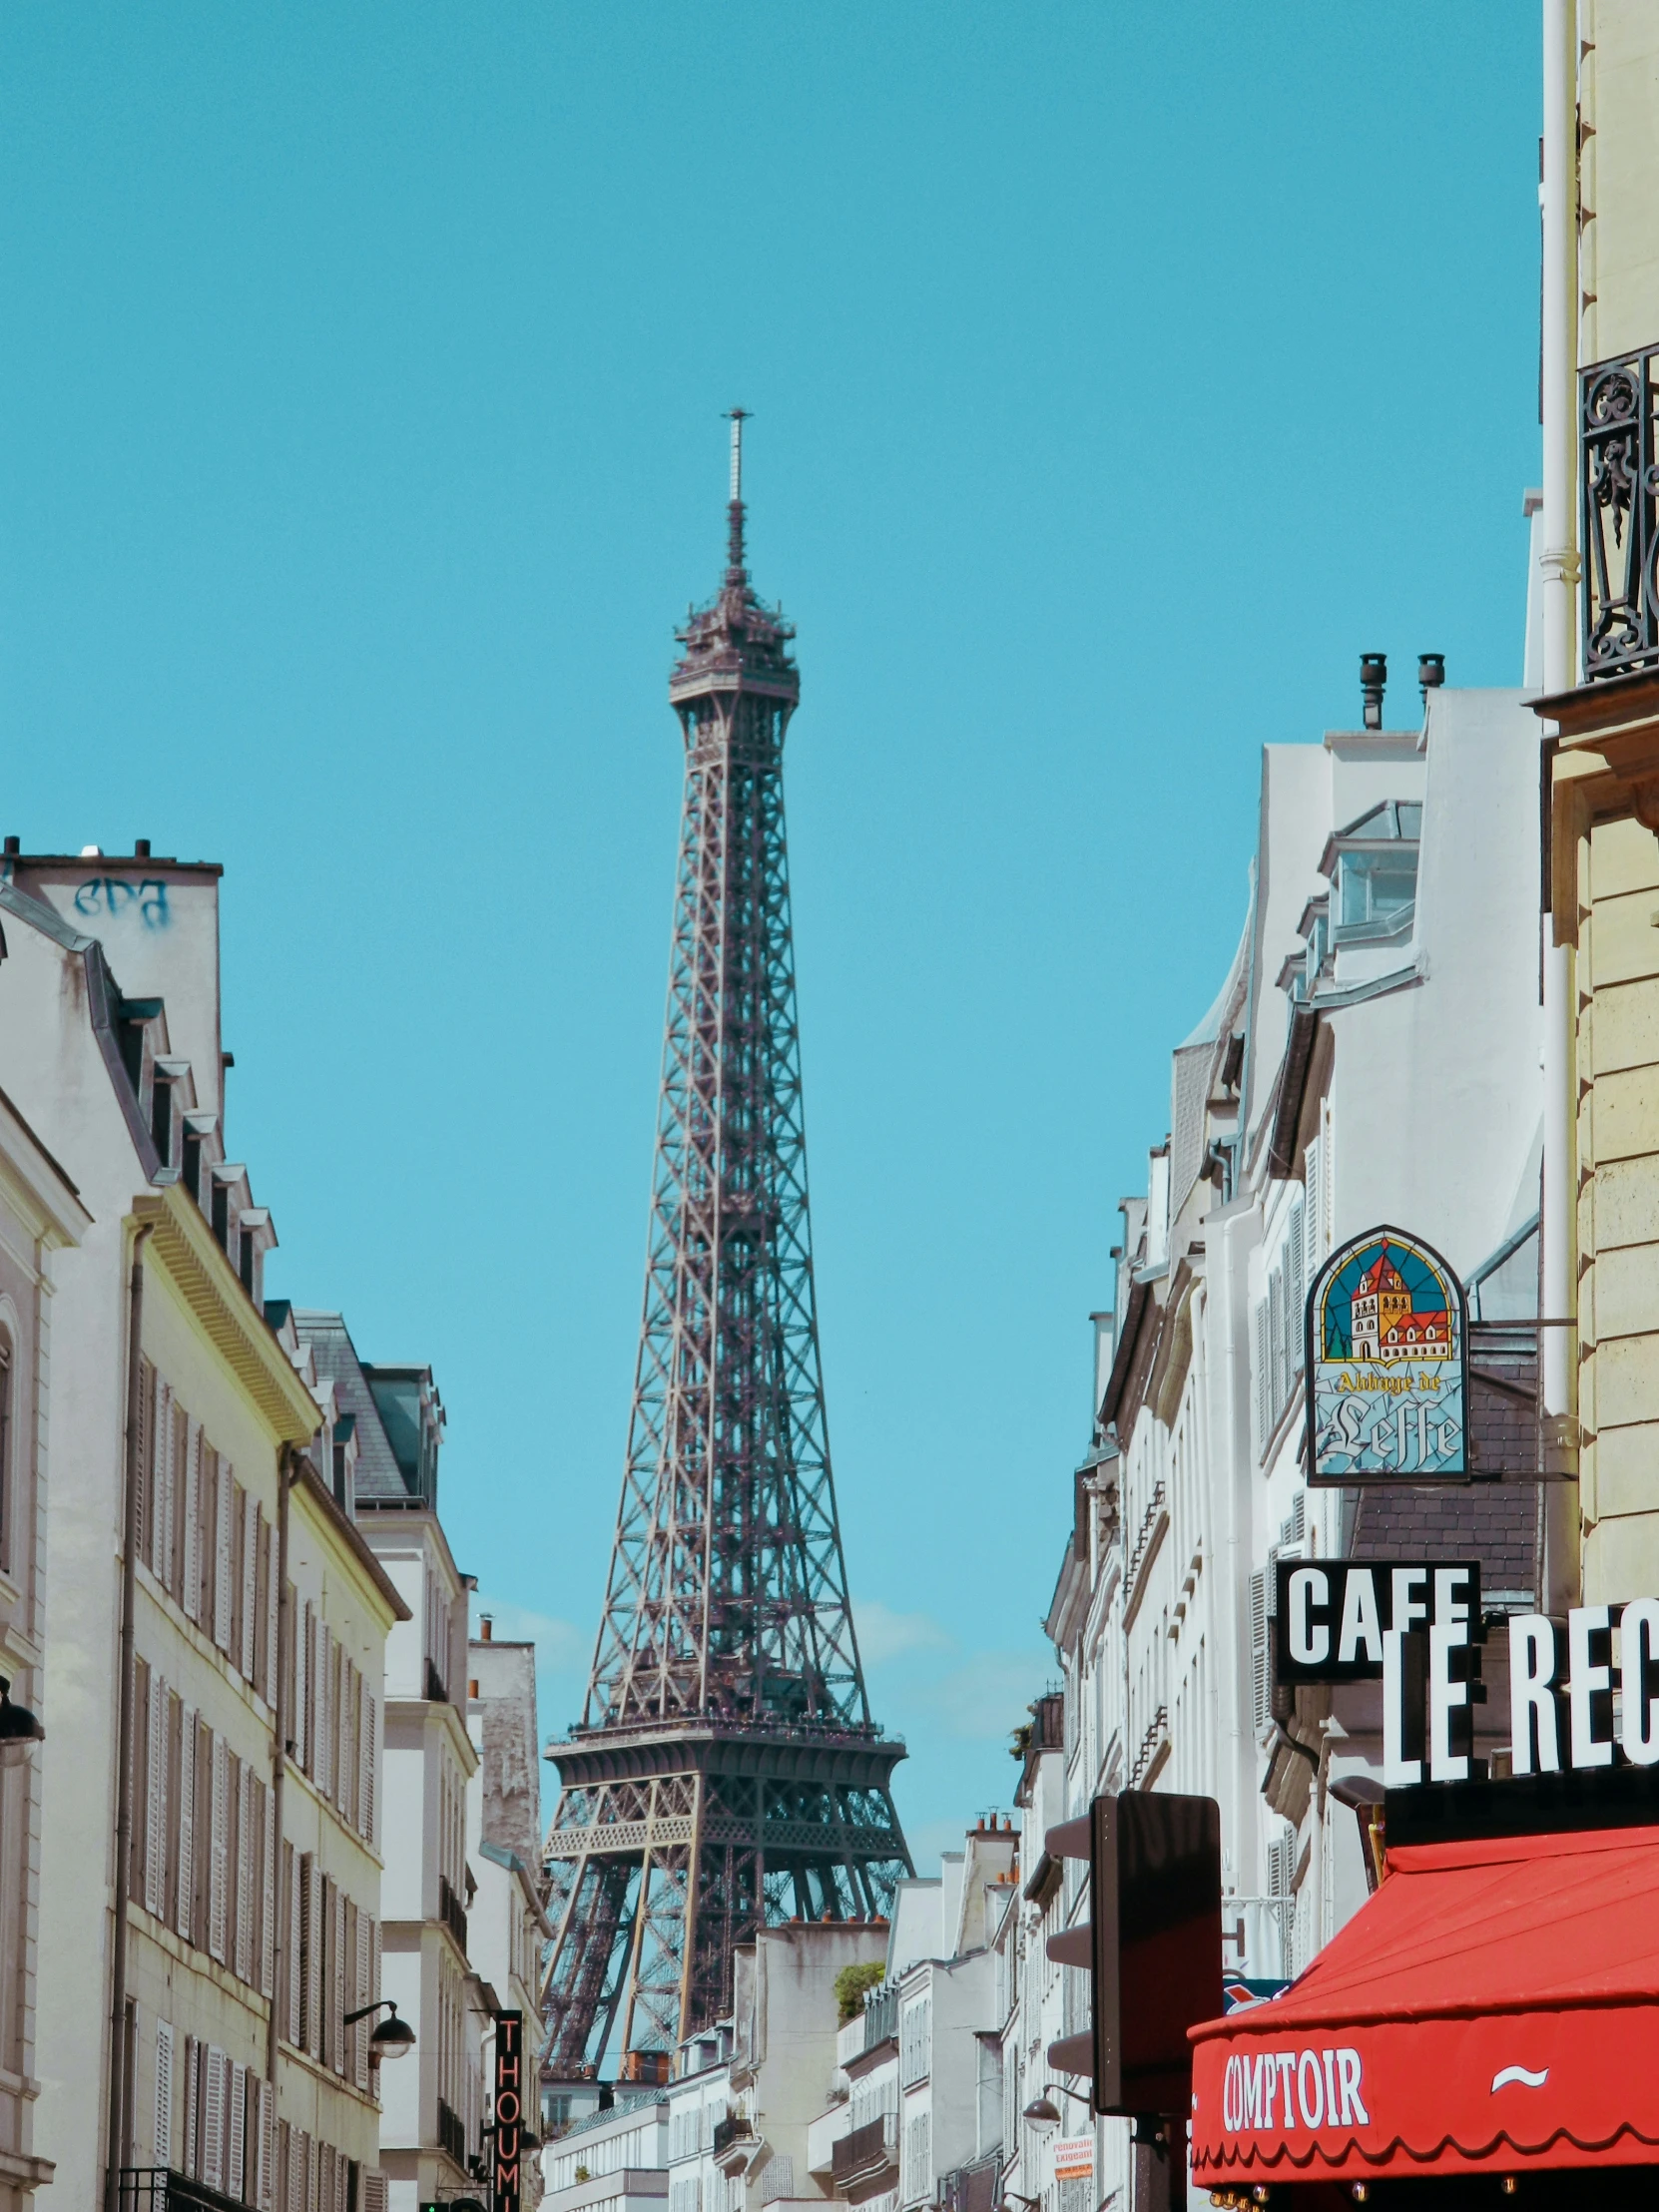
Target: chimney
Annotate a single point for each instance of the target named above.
(1431, 674)
(486, 1626)
(1374, 676)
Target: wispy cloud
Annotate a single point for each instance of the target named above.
(885, 1634)
(984, 1698)
(559, 1644)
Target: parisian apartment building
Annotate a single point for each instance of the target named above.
(231, 1632)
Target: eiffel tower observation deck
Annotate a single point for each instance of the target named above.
(726, 1773)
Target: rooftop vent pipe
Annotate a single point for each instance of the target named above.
(1374, 676)
(1430, 672)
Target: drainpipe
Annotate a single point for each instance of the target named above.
(123, 1729)
(286, 1465)
(1559, 567)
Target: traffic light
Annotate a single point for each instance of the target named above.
(1152, 1945)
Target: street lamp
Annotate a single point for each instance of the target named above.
(19, 1728)
(394, 2038)
(1044, 2110)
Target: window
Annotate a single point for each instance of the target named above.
(161, 1118)
(5, 1451)
(1375, 865)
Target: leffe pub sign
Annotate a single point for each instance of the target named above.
(1387, 1364)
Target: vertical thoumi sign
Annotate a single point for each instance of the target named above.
(509, 2111)
(1386, 1365)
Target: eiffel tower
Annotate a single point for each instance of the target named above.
(726, 1773)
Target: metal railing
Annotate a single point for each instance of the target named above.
(1618, 430)
(451, 1910)
(737, 2127)
(452, 2133)
(865, 2150)
(880, 2017)
(157, 2189)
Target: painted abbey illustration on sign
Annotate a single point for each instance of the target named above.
(1385, 1363)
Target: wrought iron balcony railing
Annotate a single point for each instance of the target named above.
(155, 2189)
(1620, 476)
(733, 2132)
(880, 2017)
(452, 2133)
(451, 1910)
(865, 2150)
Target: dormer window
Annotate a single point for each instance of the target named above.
(222, 1217)
(1374, 862)
(244, 1257)
(161, 1118)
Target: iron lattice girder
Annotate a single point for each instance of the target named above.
(725, 1771)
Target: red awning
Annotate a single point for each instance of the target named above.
(1494, 2006)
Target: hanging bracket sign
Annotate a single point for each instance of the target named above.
(1386, 1365)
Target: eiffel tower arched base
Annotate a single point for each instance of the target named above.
(670, 1845)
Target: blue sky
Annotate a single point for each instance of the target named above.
(1118, 375)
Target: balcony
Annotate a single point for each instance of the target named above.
(451, 1910)
(882, 2018)
(1618, 427)
(452, 2135)
(866, 2152)
(155, 2189)
(734, 2137)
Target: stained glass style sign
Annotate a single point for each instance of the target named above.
(1388, 1377)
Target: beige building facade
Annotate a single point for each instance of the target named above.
(1601, 710)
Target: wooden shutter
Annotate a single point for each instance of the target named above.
(312, 1938)
(365, 1951)
(190, 1549)
(303, 1689)
(217, 1839)
(137, 1752)
(188, 2151)
(1313, 1218)
(248, 1617)
(1295, 1299)
(142, 1475)
(268, 1903)
(161, 1487)
(162, 2146)
(186, 1819)
(323, 1771)
(263, 2175)
(212, 2120)
(292, 1993)
(336, 1981)
(238, 1949)
(155, 1791)
(371, 1752)
(273, 1594)
(236, 2139)
(224, 1583)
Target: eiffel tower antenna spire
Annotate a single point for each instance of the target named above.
(726, 1774)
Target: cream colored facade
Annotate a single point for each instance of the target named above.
(173, 1396)
(41, 1217)
(1602, 101)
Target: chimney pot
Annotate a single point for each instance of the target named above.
(1374, 677)
(486, 1626)
(141, 848)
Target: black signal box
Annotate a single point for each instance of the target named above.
(1152, 1946)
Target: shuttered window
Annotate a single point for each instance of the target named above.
(223, 1589)
(1295, 1316)
(155, 1809)
(248, 1614)
(371, 1762)
(1260, 1686)
(212, 2120)
(143, 1469)
(268, 1894)
(184, 1890)
(162, 2144)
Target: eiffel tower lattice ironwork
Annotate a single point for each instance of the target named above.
(726, 1773)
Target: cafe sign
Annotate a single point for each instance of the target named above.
(1386, 1365)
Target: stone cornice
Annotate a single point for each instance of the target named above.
(183, 1247)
